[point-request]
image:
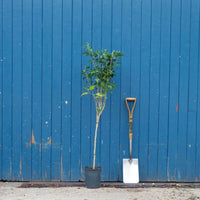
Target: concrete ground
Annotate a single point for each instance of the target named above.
(32, 191)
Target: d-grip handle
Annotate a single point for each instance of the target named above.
(130, 112)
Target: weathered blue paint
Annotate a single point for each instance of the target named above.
(76, 87)
(85, 118)
(192, 99)
(27, 60)
(164, 90)
(154, 84)
(56, 77)
(66, 91)
(7, 90)
(115, 98)
(17, 90)
(1, 86)
(46, 89)
(46, 127)
(37, 90)
(173, 88)
(183, 89)
(144, 87)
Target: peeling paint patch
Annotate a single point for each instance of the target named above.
(61, 168)
(49, 142)
(38, 145)
(176, 107)
(20, 167)
(124, 152)
(32, 140)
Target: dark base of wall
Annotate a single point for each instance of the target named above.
(112, 184)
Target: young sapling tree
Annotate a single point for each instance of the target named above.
(98, 76)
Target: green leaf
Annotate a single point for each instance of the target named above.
(84, 93)
(86, 88)
(97, 80)
(92, 87)
(111, 86)
(98, 94)
(98, 110)
(103, 85)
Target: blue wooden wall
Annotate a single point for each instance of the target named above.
(46, 127)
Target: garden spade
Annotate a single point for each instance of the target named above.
(130, 166)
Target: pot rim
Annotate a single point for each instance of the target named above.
(89, 168)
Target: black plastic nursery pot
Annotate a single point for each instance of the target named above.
(92, 177)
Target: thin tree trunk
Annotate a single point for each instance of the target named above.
(95, 140)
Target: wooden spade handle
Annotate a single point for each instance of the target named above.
(130, 112)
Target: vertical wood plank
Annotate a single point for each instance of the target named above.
(125, 79)
(193, 90)
(115, 97)
(135, 71)
(37, 90)
(105, 118)
(144, 111)
(66, 91)
(164, 90)
(154, 88)
(1, 87)
(17, 90)
(46, 90)
(56, 89)
(7, 90)
(86, 100)
(76, 88)
(183, 89)
(173, 87)
(27, 90)
(191, 148)
(197, 157)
